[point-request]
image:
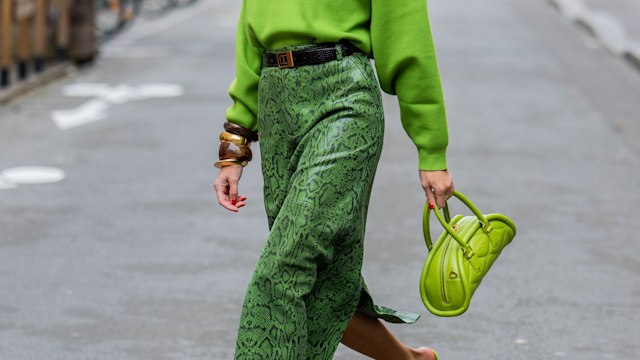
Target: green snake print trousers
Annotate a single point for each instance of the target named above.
(321, 132)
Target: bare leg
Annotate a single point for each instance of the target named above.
(370, 337)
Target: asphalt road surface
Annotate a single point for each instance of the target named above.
(125, 253)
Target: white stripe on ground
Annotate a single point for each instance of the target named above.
(104, 95)
(32, 175)
(91, 111)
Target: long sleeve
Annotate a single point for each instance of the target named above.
(244, 88)
(405, 61)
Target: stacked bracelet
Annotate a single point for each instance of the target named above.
(227, 162)
(240, 130)
(235, 146)
(229, 150)
(236, 139)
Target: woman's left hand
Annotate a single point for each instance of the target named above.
(437, 185)
(226, 186)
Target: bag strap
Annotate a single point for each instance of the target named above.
(444, 221)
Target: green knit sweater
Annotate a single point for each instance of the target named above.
(395, 33)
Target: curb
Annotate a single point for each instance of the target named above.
(633, 54)
(602, 26)
(52, 73)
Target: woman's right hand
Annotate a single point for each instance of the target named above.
(226, 186)
(437, 185)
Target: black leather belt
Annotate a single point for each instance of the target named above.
(314, 55)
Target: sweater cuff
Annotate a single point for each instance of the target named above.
(432, 159)
(240, 114)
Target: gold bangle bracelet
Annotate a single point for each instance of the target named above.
(229, 150)
(236, 139)
(241, 130)
(226, 162)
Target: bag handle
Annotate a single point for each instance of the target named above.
(444, 221)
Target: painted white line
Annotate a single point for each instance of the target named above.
(91, 111)
(105, 95)
(119, 94)
(32, 175)
(521, 341)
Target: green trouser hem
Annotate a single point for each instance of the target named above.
(367, 307)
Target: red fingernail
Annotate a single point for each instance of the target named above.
(431, 206)
(233, 201)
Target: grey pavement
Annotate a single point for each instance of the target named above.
(130, 257)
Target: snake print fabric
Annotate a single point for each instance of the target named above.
(321, 132)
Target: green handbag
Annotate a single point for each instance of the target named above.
(461, 257)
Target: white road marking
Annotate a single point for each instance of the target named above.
(105, 95)
(32, 175)
(521, 341)
(120, 94)
(91, 111)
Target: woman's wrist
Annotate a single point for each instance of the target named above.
(235, 145)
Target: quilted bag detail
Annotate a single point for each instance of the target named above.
(461, 257)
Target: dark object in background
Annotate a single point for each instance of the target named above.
(83, 46)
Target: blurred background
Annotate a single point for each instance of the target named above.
(113, 246)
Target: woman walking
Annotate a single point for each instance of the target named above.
(305, 83)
